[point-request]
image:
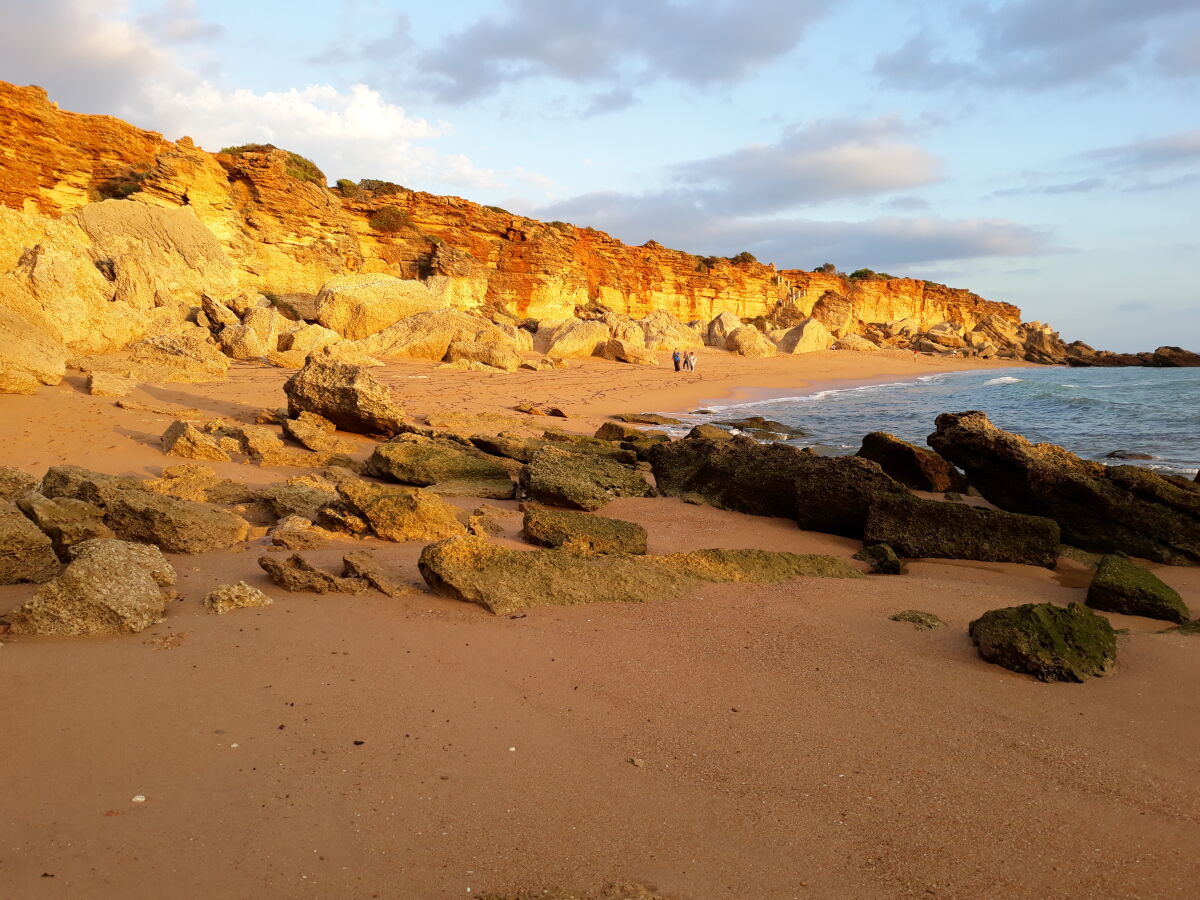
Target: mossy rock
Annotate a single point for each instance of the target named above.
(579, 480)
(933, 529)
(582, 532)
(1190, 628)
(615, 431)
(582, 443)
(646, 419)
(1052, 643)
(1120, 586)
(420, 461)
(881, 558)
(711, 432)
(504, 580)
(924, 621)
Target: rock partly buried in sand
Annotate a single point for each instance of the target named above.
(820, 494)
(109, 587)
(912, 466)
(1190, 629)
(495, 354)
(399, 513)
(503, 580)
(189, 357)
(106, 384)
(348, 396)
(297, 574)
(304, 495)
(881, 558)
(1100, 508)
(26, 554)
(581, 532)
(925, 529)
(65, 521)
(422, 461)
(363, 564)
(14, 483)
(578, 480)
(923, 621)
(297, 533)
(177, 526)
(186, 440)
(229, 597)
(1050, 642)
(1120, 586)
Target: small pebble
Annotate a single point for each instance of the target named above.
(140, 798)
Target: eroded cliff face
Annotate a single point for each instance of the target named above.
(283, 235)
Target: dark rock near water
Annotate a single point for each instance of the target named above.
(915, 467)
(1127, 454)
(759, 424)
(881, 558)
(615, 431)
(1121, 586)
(581, 481)
(646, 419)
(1100, 508)
(711, 432)
(582, 532)
(1050, 642)
(926, 529)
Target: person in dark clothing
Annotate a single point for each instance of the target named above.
(677, 359)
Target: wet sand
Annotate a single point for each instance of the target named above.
(792, 741)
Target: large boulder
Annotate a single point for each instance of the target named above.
(749, 341)
(422, 461)
(807, 337)
(854, 342)
(359, 305)
(1099, 508)
(923, 529)
(830, 494)
(577, 339)
(664, 332)
(579, 480)
(915, 467)
(1121, 586)
(720, 328)
(1050, 642)
(499, 354)
(426, 335)
(632, 352)
(188, 357)
(399, 513)
(504, 581)
(29, 356)
(348, 396)
(109, 587)
(26, 554)
(177, 526)
(581, 532)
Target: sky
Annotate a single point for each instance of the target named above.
(1041, 152)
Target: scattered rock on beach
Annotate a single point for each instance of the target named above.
(1100, 508)
(14, 483)
(646, 419)
(229, 597)
(1050, 642)
(299, 575)
(84, 484)
(297, 533)
(616, 431)
(184, 439)
(923, 621)
(109, 587)
(710, 432)
(363, 564)
(348, 396)
(924, 529)
(26, 554)
(1121, 586)
(582, 532)
(188, 357)
(177, 526)
(315, 433)
(881, 558)
(400, 513)
(582, 481)
(912, 466)
(107, 384)
(65, 521)
(422, 461)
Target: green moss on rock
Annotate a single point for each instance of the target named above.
(1120, 586)
(881, 558)
(578, 480)
(582, 532)
(1050, 642)
(923, 621)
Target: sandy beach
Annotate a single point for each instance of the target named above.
(736, 741)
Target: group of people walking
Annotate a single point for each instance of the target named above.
(685, 362)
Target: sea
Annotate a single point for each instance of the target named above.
(1091, 412)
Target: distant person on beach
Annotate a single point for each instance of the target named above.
(676, 357)
(690, 361)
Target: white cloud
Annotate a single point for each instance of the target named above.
(178, 21)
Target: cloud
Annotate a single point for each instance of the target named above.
(825, 160)
(380, 50)
(92, 60)
(1180, 54)
(1168, 151)
(177, 22)
(617, 42)
(1033, 44)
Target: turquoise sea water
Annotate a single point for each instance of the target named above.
(1089, 411)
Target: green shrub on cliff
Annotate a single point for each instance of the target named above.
(743, 258)
(382, 188)
(389, 220)
(347, 187)
(299, 167)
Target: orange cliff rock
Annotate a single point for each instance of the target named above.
(284, 235)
